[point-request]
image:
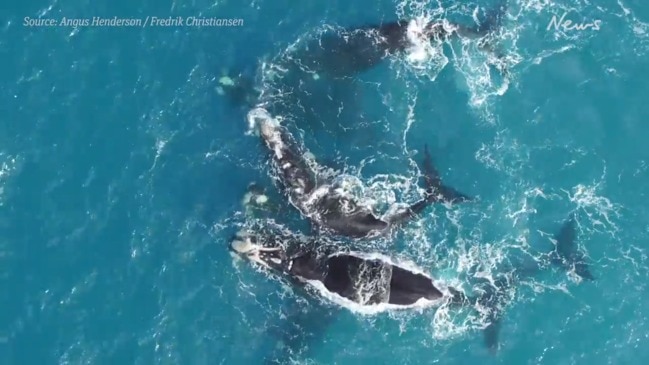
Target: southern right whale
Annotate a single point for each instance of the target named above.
(322, 268)
(565, 255)
(346, 52)
(357, 49)
(329, 208)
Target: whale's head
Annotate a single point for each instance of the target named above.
(269, 251)
(271, 255)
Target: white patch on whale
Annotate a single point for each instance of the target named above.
(372, 309)
(261, 199)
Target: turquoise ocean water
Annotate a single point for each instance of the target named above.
(122, 169)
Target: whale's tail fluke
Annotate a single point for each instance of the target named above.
(491, 300)
(435, 190)
(567, 256)
(491, 333)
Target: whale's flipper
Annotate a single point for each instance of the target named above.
(302, 328)
(435, 190)
(567, 255)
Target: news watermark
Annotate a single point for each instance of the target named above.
(149, 21)
(563, 24)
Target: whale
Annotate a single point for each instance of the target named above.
(371, 282)
(567, 255)
(343, 52)
(356, 277)
(322, 201)
(352, 50)
(332, 279)
(564, 255)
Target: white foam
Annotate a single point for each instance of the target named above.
(316, 195)
(418, 41)
(422, 55)
(7, 167)
(421, 304)
(599, 209)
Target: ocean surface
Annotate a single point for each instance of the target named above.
(124, 158)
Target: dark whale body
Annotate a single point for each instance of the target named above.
(344, 53)
(302, 260)
(566, 255)
(356, 49)
(339, 274)
(365, 280)
(318, 199)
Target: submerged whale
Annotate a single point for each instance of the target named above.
(375, 282)
(567, 256)
(323, 202)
